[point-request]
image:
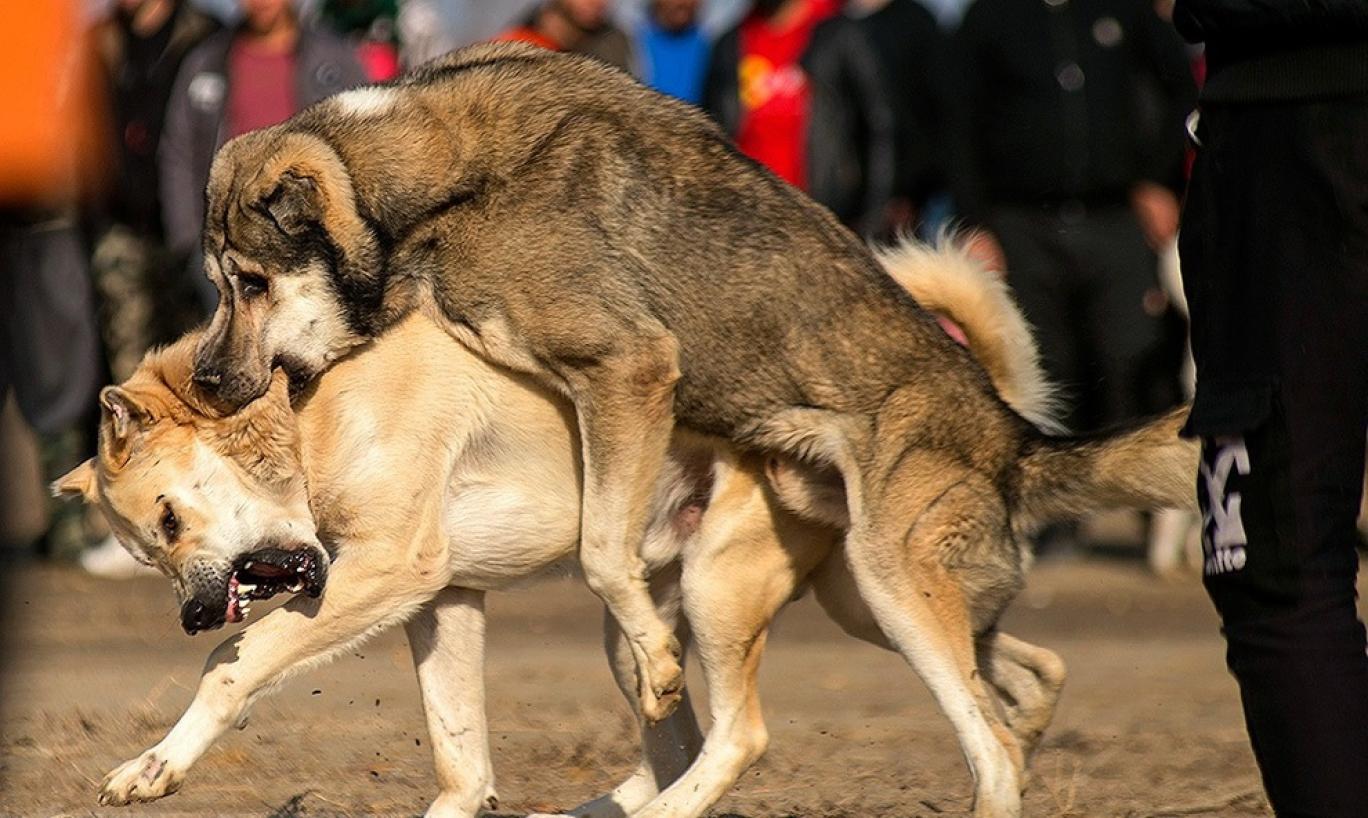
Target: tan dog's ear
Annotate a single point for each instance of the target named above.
(78, 481)
(293, 204)
(123, 418)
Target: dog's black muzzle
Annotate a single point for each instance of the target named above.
(222, 593)
(197, 616)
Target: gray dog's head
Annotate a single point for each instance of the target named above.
(216, 502)
(297, 269)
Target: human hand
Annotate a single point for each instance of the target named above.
(984, 248)
(1156, 208)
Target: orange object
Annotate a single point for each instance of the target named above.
(527, 34)
(51, 144)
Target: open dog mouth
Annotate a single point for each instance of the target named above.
(266, 572)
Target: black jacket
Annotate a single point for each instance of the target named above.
(912, 51)
(850, 129)
(1279, 49)
(1075, 101)
(140, 73)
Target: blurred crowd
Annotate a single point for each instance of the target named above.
(1048, 133)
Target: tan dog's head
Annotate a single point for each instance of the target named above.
(216, 501)
(298, 270)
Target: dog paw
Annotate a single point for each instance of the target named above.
(145, 778)
(662, 683)
(461, 805)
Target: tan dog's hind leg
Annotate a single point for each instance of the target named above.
(668, 746)
(448, 638)
(745, 564)
(625, 408)
(897, 553)
(364, 595)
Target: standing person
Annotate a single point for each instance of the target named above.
(144, 298)
(579, 26)
(796, 85)
(52, 163)
(372, 26)
(1274, 249)
(911, 52)
(143, 295)
(1069, 181)
(258, 74)
(674, 49)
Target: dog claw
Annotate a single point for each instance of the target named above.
(145, 778)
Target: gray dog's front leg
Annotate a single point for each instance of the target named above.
(447, 638)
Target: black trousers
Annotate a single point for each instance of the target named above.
(1274, 248)
(1081, 276)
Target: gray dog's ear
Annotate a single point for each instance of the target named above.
(293, 204)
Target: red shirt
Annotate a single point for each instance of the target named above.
(775, 95)
(261, 88)
(528, 34)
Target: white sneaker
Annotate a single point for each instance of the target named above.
(112, 561)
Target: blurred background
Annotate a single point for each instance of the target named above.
(1047, 133)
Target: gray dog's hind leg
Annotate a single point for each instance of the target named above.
(924, 512)
(448, 638)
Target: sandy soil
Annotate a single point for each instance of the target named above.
(95, 671)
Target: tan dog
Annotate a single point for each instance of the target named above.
(433, 477)
(559, 219)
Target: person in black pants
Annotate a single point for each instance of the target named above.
(1274, 248)
(1067, 150)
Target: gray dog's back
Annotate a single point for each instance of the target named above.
(581, 173)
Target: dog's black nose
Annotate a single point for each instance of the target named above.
(196, 617)
(207, 377)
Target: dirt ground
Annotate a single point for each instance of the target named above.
(95, 671)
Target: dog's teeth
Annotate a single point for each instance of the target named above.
(296, 587)
(247, 566)
(245, 588)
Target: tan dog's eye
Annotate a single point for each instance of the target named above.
(170, 524)
(252, 285)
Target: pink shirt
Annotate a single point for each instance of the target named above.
(261, 88)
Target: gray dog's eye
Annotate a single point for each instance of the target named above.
(252, 285)
(170, 524)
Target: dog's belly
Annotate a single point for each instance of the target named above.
(510, 526)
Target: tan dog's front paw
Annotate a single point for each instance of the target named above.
(662, 682)
(145, 778)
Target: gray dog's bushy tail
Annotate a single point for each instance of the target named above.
(944, 279)
(1146, 465)
(1059, 476)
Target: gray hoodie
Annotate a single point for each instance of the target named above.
(196, 123)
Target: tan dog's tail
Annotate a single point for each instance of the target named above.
(1146, 465)
(945, 280)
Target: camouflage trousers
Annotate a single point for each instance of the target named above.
(145, 297)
